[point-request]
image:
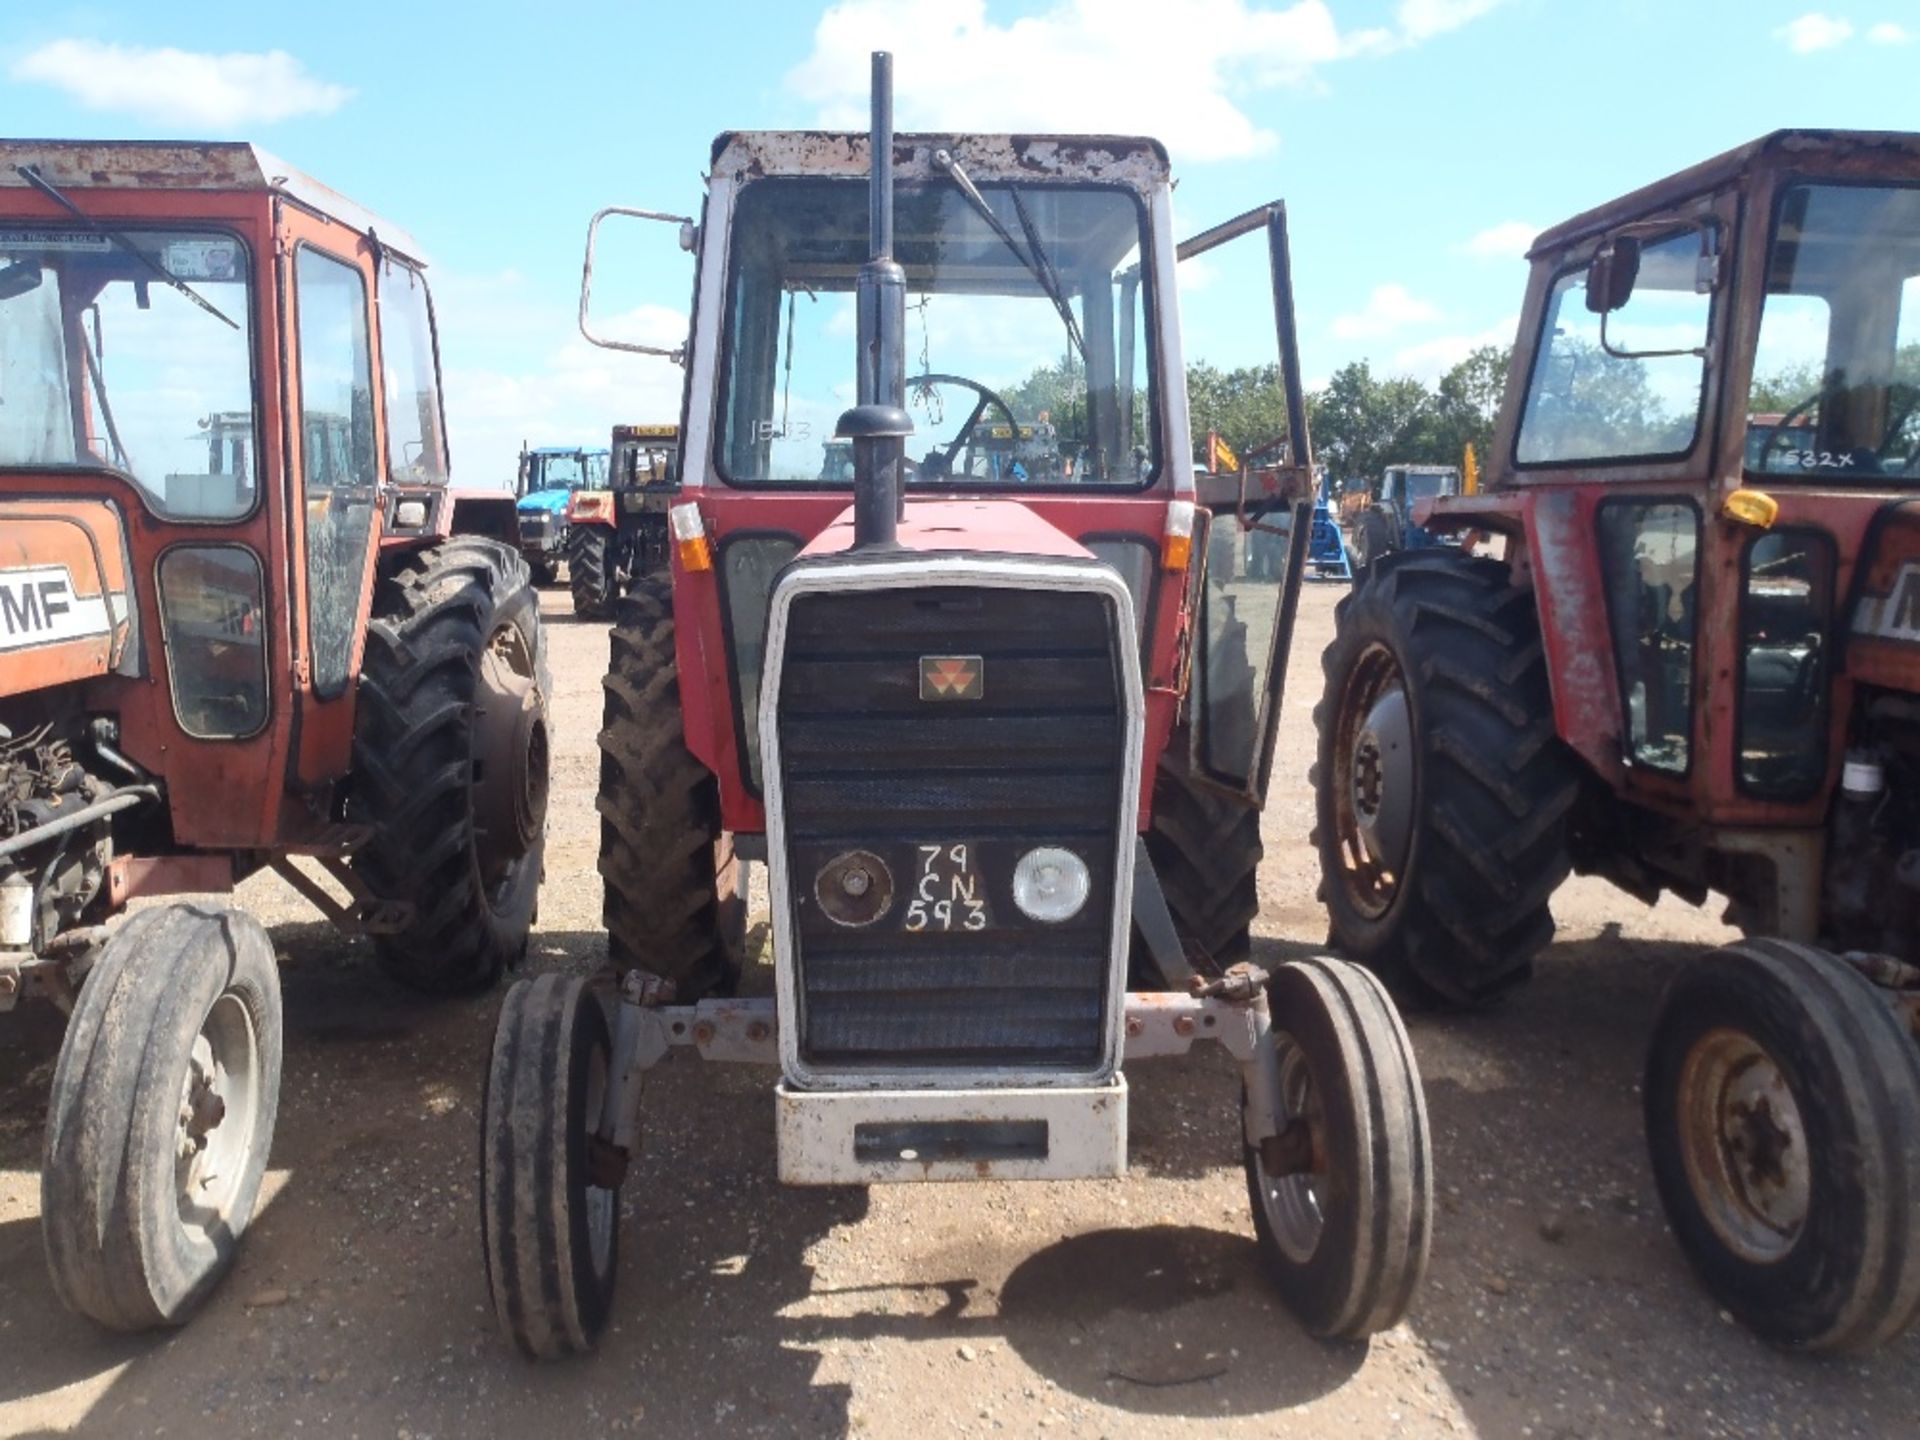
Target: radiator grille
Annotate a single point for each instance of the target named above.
(866, 763)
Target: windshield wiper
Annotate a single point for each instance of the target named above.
(1038, 265)
(31, 174)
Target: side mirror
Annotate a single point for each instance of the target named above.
(1611, 274)
(689, 233)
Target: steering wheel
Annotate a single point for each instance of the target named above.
(1785, 422)
(942, 463)
(1896, 422)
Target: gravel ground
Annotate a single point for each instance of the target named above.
(1556, 1305)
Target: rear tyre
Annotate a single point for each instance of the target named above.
(673, 903)
(1441, 787)
(450, 763)
(590, 571)
(551, 1237)
(1374, 539)
(162, 1114)
(1206, 851)
(1346, 1241)
(1782, 1100)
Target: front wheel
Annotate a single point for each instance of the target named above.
(550, 1234)
(162, 1114)
(1344, 1229)
(1782, 1105)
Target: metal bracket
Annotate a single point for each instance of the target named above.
(1155, 922)
(367, 915)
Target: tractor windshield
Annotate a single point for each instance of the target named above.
(1836, 374)
(1001, 389)
(1428, 484)
(568, 470)
(104, 365)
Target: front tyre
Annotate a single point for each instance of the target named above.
(550, 1234)
(1441, 788)
(1344, 1236)
(450, 763)
(1782, 1100)
(162, 1115)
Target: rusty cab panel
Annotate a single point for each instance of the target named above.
(1665, 478)
(245, 463)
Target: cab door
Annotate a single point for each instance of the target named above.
(334, 442)
(1252, 554)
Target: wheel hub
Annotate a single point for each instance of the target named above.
(1293, 1174)
(1744, 1144)
(510, 751)
(1374, 783)
(214, 1131)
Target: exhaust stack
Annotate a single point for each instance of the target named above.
(879, 424)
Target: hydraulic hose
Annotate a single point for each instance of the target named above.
(112, 803)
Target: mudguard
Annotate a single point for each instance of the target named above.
(66, 607)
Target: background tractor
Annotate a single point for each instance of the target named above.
(618, 533)
(241, 620)
(546, 482)
(1694, 667)
(1001, 742)
(1385, 521)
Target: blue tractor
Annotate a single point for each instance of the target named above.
(1387, 522)
(549, 474)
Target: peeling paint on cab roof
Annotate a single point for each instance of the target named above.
(1115, 159)
(191, 165)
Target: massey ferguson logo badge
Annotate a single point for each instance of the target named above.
(38, 607)
(952, 677)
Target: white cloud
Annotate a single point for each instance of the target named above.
(1814, 31)
(1888, 33)
(1430, 359)
(1120, 66)
(181, 87)
(1506, 241)
(1389, 308)
(518, 370)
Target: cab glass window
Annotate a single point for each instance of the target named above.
(1649, 557)
(416, 436)
(131, 352)
(337, 456)
(1836, 368)
(211, 607)
(1632, 389)
(1785, 613)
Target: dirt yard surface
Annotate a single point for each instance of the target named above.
(1556, 1304)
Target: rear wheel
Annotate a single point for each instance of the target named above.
(1782, 1100)
(673, 902)
(450, 762)
(551, 1236)
(1344, 1237)
(1441, 788)
(591, 571)
(1206, 850)
(162, 1114)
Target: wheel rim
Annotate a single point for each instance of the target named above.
(219, 1100)
(1292, 1203)
(1744, 1145)
(511, 749)
(602, 1204)
(1373, 782)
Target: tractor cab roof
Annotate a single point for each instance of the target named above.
(1113, 159)
(1857, 154)
(190, 165)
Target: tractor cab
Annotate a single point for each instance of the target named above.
(1396, 502)
(617, 531)
(544, 485)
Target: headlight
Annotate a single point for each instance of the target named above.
(1051, 884)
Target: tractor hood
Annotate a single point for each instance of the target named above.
(66, 609)
(545, 502)
(998, 527)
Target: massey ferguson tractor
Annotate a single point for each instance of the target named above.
(1695, 668)
(238, 625)
(620, 532)
(1000, 743)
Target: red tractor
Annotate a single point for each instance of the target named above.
(1694, 667)
(995, 710)
(242, 619)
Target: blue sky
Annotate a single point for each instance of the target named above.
(1417, 142)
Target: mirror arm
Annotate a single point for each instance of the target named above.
(678, 353)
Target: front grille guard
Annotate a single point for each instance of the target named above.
(910, 572)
